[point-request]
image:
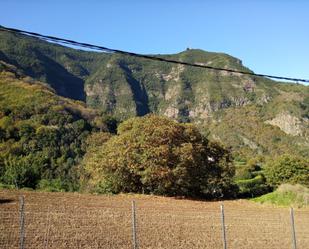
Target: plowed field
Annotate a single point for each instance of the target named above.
(70, 220)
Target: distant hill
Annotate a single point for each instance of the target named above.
(252, 115)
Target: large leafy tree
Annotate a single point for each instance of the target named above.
(154, 154)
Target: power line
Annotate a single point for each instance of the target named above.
(149, 57)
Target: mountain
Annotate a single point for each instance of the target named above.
(252, 115)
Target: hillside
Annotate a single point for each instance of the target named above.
(41, 133)
(252, 115)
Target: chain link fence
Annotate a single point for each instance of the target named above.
(139, 225)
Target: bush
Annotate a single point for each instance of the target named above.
(156, 155)
(287, 169)
(6, 186)
(54, 185)
(287, 195)
(20, 172)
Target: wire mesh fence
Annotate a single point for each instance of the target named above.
(119, 223)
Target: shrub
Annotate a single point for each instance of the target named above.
(287, 195)
(20, 172)
(54, 185)
(287, 169)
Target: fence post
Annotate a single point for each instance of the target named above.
(47, 230)
(223, 226)
(134, 233)
(21, 222)
(293, 228)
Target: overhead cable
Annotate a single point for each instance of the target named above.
(149, 57)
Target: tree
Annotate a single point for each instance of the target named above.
(21, 171)
(154, 154)
(287, 169)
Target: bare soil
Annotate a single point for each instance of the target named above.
(73, 220)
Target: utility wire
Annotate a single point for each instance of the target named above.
(149, 57)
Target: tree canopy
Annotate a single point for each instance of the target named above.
(287, 169)
(154, 154)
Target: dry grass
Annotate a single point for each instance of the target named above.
(68, 220)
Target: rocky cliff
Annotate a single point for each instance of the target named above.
(251, 114)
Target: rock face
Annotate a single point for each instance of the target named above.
(229, 107)
(289, 124)
(127, 86)
(171, 112)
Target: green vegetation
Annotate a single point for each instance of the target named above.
(41, 135)
(44, 137)
(250, 178)
(156, 155)
(245, 130)
(287, 169)
(252, 187)
(287, 195)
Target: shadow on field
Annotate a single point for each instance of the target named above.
(200, 199)
(3, 201)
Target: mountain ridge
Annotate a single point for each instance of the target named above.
(124, 87)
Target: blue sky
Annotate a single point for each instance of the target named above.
(269, 36)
